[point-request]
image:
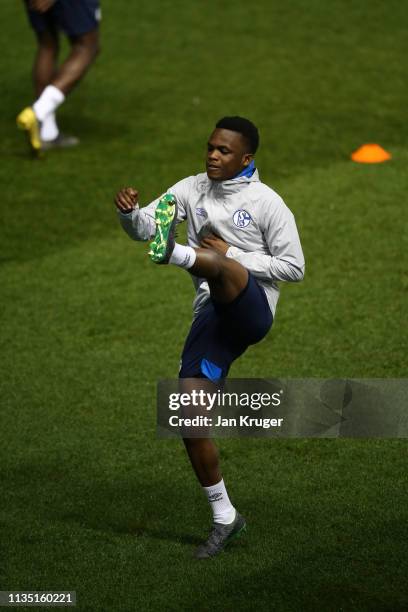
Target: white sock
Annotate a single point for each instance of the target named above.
(49, 128)
(223, 511)
(183, 256)
(48, 102)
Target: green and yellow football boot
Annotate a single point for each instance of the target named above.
(163, 242)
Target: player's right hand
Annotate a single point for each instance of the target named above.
(126, 199)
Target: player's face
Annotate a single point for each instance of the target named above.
(227, 154)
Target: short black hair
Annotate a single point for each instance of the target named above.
(245, 127)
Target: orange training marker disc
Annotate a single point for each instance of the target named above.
(370, 154)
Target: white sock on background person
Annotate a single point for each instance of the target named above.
(48, 102)
(49, 128)
(183, 256)
(223, 511)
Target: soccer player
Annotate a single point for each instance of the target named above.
(79, 19)
(242, 240)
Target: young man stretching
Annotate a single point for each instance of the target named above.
(242, 239)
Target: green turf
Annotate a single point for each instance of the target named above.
(90, 499)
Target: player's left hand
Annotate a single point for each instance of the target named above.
(215, 243)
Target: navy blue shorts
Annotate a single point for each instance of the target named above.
(222, 332)
(74, 17)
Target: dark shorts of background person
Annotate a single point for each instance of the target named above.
(222, 332)
(74, 17)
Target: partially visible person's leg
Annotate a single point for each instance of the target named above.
(44, 70)
(80, 22)
(46, 60)
(84, 49)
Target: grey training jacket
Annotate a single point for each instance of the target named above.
(244, 212)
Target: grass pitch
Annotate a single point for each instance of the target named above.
(91, 500)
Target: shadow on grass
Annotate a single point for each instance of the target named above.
(90, 130)
(94, 128)
(126, 528)
(135, 507)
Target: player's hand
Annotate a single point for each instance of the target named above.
(215, 243)
(126, 199)
(41, 6)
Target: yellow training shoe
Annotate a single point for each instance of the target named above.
(27, 121)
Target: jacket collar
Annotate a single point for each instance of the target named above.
(248, 171)
(232, 185)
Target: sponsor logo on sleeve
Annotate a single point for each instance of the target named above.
(201, 212)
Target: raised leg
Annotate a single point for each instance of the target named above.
(226, 277)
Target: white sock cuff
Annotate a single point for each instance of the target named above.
(57, 95)
(217, 485)
(223, 511)
(183, 256)
(50, 99)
